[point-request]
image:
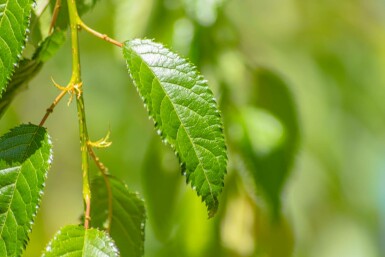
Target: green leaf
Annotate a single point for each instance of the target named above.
(25, 156)
(275, 95)
(14, 20)
(28, 69)
(49, 46)
(75, 241)
(128, 215)
(185, 114)
(270, 135)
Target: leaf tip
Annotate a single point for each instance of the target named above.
(212, 207)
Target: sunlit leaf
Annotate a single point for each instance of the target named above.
(128, 215)
(185, 114)
(14, 19)
(25, 156)
(75, 241)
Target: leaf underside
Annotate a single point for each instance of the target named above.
(75, 241)
(185, 114)
(14, 21)
(128, 215)
(25, 156)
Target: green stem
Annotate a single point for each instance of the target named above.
(74, 18)
(77, 83)
(84, 151)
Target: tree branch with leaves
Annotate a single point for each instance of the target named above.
(177, 98)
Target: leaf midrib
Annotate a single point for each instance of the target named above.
(10, 202)
(188, 135)
(16, 180)
(4, 13)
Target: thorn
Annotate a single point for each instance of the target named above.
(71, 89)
(78, 89)
(58, 86)
(101, 143)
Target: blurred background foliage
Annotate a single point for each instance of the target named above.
(301, 87)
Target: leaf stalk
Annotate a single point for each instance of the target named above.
(52, 107)
(99, 35)
(54, 16)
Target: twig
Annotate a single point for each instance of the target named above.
(54, 15)
(99, 35)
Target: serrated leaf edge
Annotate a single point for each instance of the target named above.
(19, 56)
(199, 80)
(41, 192)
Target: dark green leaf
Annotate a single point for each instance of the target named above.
(75, 241)
(274, 94)
(14, 19)
(270, 135)
(25, 156)
(48, 48)
(185, 114)
(28, 69)
(128, 215)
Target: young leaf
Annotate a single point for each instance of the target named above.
(14, 19)
(185, 114)
(75, 241)
(128, 215)
(28, 69)
(25, 156)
